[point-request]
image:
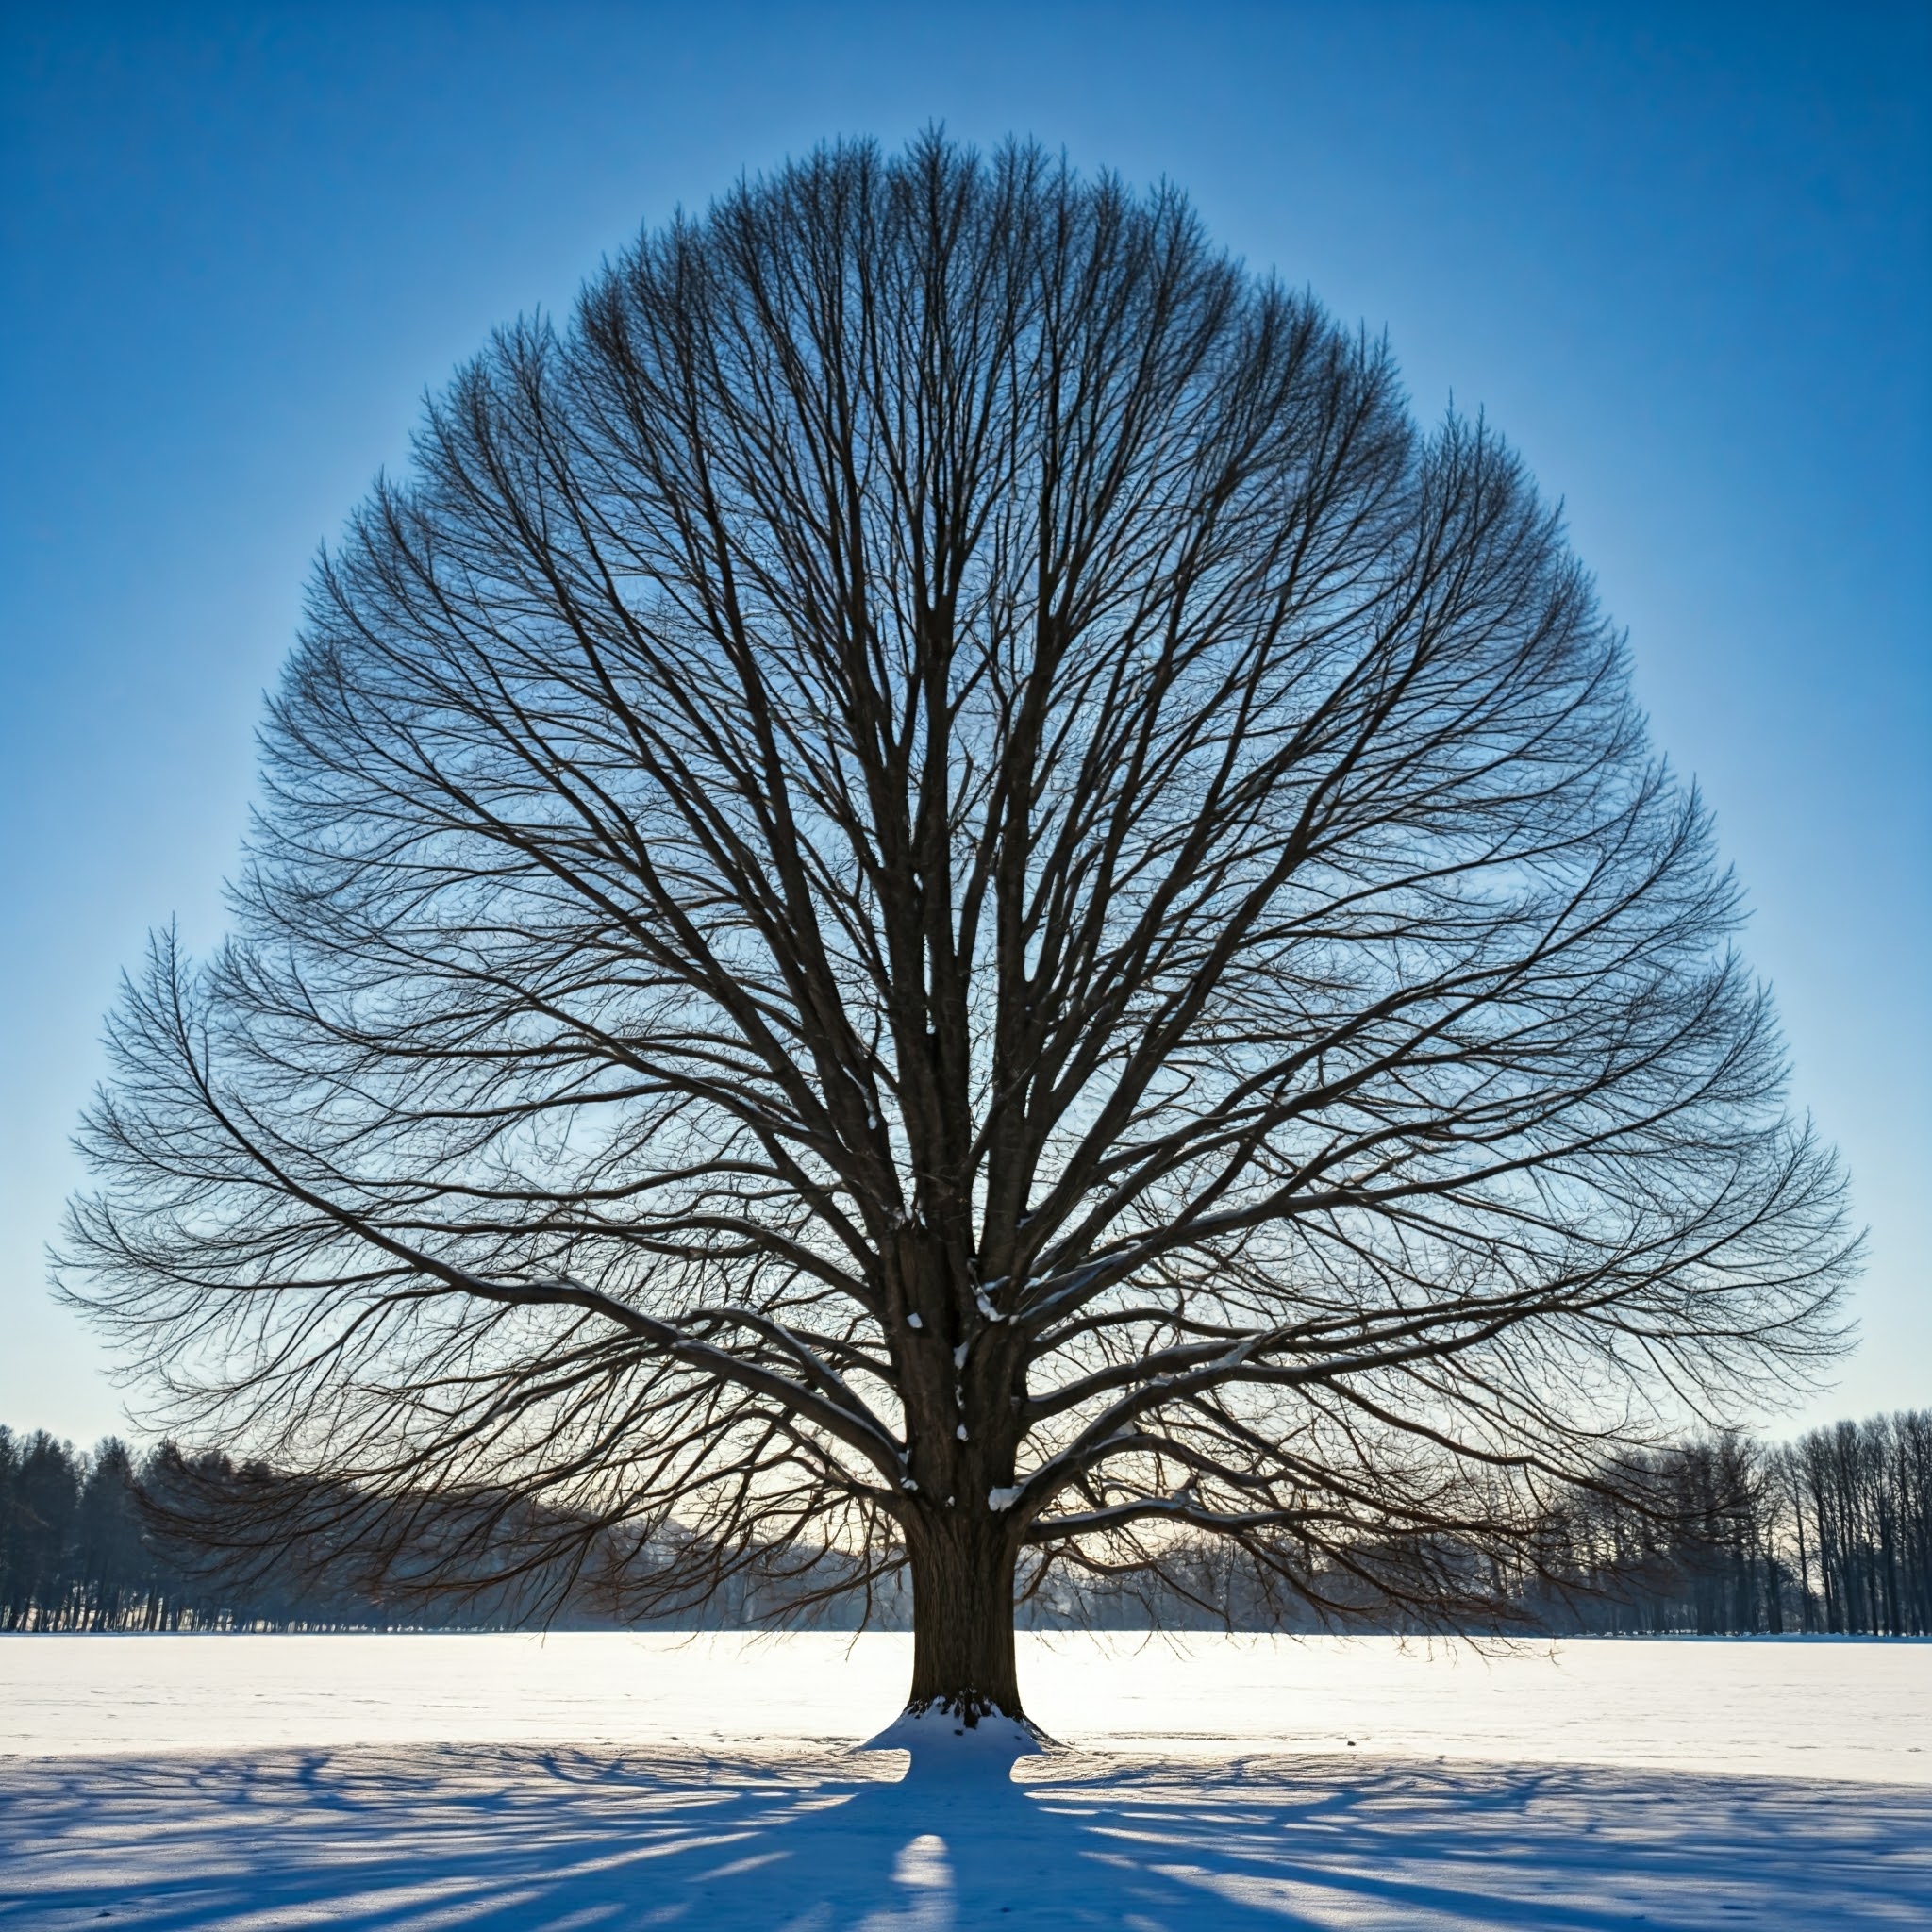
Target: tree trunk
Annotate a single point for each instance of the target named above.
(962, 1616)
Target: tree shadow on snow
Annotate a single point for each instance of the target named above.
(514, 1840)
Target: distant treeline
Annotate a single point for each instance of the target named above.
(78, 1552)
(1829, 1534)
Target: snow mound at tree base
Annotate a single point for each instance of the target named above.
(946, 1743)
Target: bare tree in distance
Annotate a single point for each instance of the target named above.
(935, 891)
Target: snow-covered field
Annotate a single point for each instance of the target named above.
(609, 1781)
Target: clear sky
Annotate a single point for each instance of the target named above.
(1681, 256)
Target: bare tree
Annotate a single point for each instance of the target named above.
(935, 894)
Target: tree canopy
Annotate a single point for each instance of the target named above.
(934, 888)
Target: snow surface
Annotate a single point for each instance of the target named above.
(1800, 1708)
(414, 1784)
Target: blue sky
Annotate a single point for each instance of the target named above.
(1682, 257)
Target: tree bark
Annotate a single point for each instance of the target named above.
(963, 1563)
